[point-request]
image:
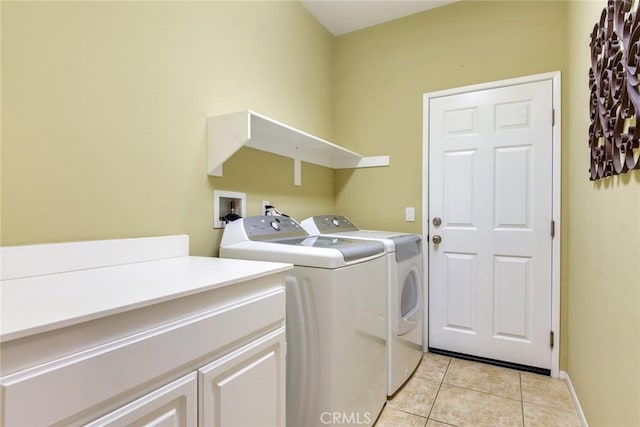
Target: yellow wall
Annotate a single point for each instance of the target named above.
(104, 106)
(603, 336)
(381, 74)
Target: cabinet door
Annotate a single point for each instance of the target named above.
(174, 405)
(247, 386)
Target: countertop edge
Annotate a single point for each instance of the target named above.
(269, 269)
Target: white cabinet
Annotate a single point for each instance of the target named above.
(173, 405)
(164, 341)
(247, 387)
(79, 387)
(243, 388)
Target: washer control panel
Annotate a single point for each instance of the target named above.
(268, 227)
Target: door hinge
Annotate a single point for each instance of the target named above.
(553, 117)
(551, 339)
(553, 229)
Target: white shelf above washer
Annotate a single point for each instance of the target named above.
(226, 134)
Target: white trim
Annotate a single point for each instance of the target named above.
(556, 203)
(555, 77)
(425, 222)
(494, 85)
(565, 376)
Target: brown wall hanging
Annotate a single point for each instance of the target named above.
(614, 134)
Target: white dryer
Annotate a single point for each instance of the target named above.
(405, 288)
(336, 324)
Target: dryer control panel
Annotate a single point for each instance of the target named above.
(407, 246)
(329, 224)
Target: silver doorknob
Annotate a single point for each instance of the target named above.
(436, 239)
(437, 221)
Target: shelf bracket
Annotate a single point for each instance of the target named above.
(217, 171)
(297, 171)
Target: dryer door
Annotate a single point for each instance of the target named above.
(409, 299)
(409, 285)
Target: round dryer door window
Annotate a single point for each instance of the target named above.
(410, 303)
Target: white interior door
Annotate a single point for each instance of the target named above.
(490, 183)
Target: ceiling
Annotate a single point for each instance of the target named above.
(344, 16)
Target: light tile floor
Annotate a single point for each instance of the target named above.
(445, 391)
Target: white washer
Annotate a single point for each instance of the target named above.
(336, 324)
(405, 287)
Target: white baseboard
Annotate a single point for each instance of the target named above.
(565, 376)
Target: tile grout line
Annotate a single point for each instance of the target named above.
(550, 405)
(407, 412)
(438, 392)
(490, 393)
(484, 392)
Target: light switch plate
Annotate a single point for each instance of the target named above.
(410, 214)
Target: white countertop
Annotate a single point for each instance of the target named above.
(41, 303)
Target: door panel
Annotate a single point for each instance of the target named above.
(245, 387)
(173, 405)
(461, 291)
(512, 302)
(490, 180)
(460, 121)
(458, 174)
(512, 208)
(513, 115)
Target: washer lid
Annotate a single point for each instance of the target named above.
(351, 249)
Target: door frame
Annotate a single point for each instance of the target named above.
(555, 78)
